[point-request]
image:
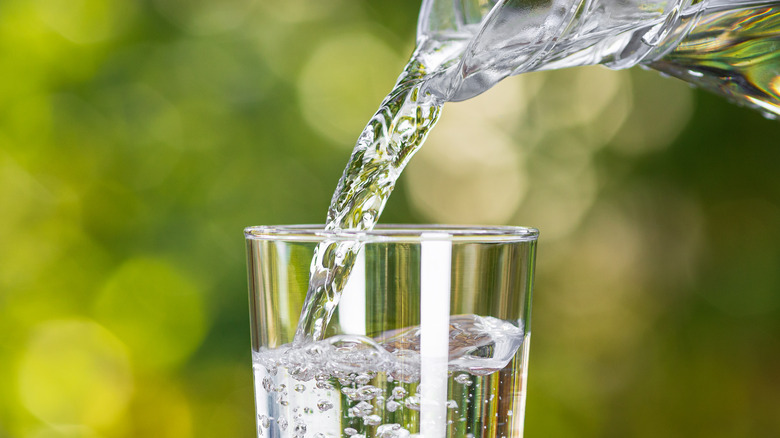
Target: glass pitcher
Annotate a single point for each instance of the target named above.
(731, 47)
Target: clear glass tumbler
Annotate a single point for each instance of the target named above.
(430, 337)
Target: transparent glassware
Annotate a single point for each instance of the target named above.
(430, 337)
(729, 47)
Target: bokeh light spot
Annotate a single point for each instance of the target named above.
(160, 410)
(339, 88)
(469, 170)
(75, 372)
(203, 16)
(579, 96)
(662, 108)
(156, 309)
(148, 129)
(86, 21)
(294, 11)
(66, 431)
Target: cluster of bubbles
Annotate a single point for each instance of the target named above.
(356, 368)
(478, 345)
(361, 395)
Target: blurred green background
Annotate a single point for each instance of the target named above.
(138, 138)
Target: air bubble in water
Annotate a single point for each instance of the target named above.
(364, 407)
(372, 420)
(393, 430)
(362, 379)
(452, 404)
(399, 392)
(363, 393)
(282, 423)
(264, 421)
(324, 405)
(360, 410)
(267, 384)
(299, 388)
(350, 431)
(463, 379)
(323, 384)
(412, 402)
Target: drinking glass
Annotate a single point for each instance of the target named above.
(429, 338)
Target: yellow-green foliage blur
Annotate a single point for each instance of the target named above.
(138, 138)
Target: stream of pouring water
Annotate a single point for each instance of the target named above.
(392, 136)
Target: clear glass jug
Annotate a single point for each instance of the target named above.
(731, 47)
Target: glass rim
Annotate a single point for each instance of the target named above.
(395, 233)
